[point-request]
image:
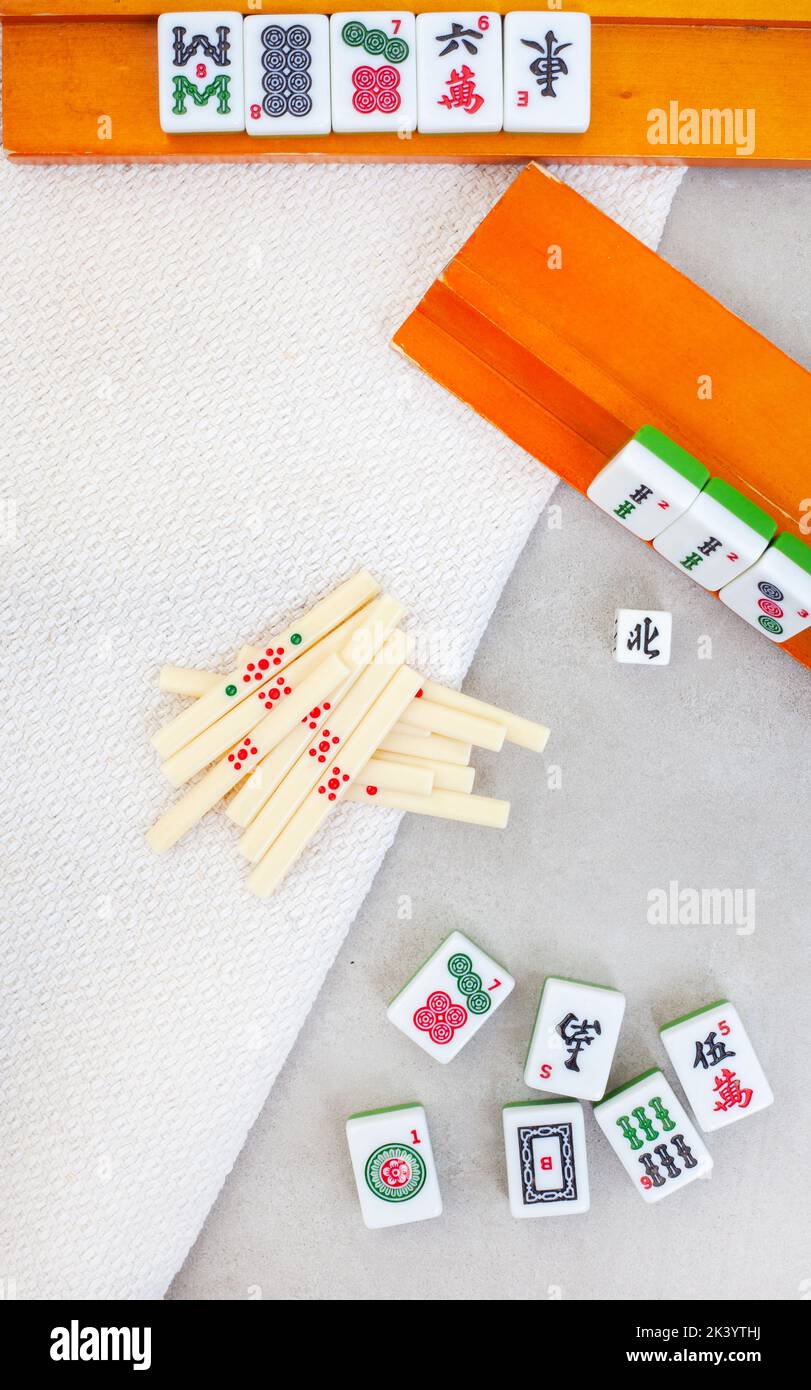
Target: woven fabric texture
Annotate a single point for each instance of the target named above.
(205, 430)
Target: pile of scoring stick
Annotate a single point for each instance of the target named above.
(327, 710)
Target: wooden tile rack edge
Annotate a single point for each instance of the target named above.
(647, 11)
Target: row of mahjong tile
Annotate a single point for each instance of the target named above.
(387, 70)
(710, 531)
(570, 1053)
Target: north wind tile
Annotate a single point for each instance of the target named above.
(642, 636)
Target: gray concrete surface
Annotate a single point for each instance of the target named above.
(696, 773)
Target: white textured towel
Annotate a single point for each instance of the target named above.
(205, 430)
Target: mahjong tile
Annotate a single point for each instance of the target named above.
(650, 1132)
(649, 483)
(547, 71)
(393, 1163)
(718, 537)
(545, 1148)
(574, 1039)
(452, 994)
(287, 83)
(460, 79)
(642, 636)
(200, 71)
(775, 594)
(373, 67)
(716, 1065)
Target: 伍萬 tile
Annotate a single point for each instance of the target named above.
(716, 1065)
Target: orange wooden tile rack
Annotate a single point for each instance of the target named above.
(80, 79)
(568, 334)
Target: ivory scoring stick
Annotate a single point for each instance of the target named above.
(249, 715)
(318, 803)
(325, 751)
(243, 756)
(192, 682)
(274, 721)
(447, 777)
(182, 680)
(186, 680)
(220, 778)
(239, 721)
(474, 810)
(265, 778)
(397, 777)
(433, 747)
(280, 651)
(378, 621)
(427, 716)
(230, 770)
(524, 732)
(452, 723)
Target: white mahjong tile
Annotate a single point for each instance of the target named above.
(642, 636)
(547, 71)
(716, 1065)
(718, 537)
(451, 996)
(460, 76)
(649, 483)
(393, 1163)
(650, 1132)
(287, 83)
(545, 1148)
(200, 71)
(373, 66)
(574, 1038)
(775, 594)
